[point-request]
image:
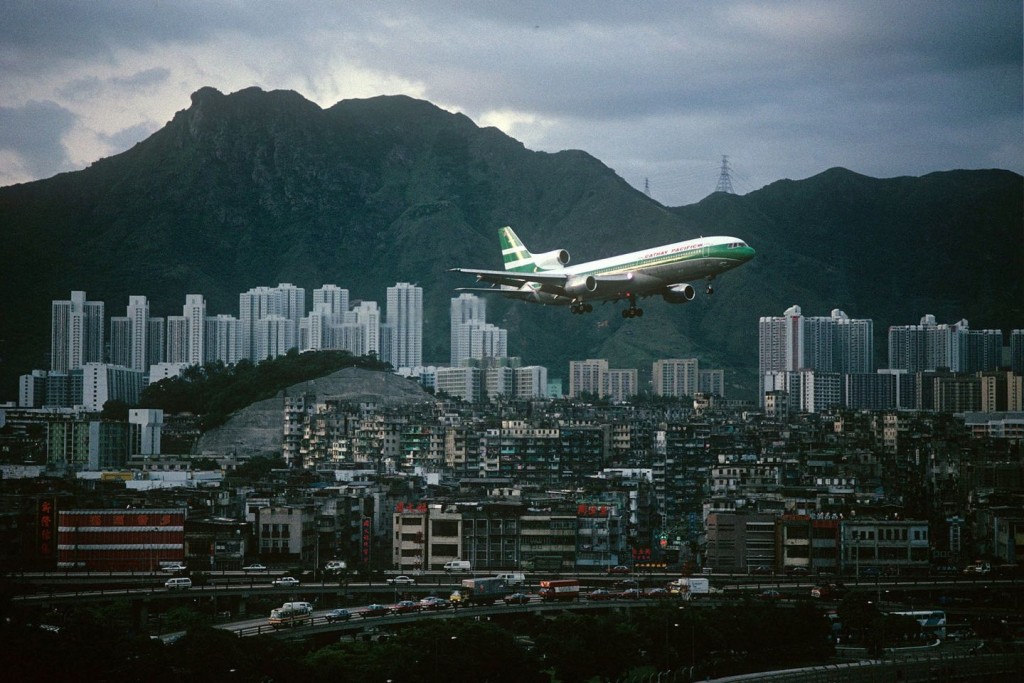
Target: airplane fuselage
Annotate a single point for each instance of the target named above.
(666, 271)
(652, 270)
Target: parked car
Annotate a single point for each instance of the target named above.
(254, 567)
(339, 614)
(286, 582)
(517, 599)
(601, 594)
(375, 610)
(405, 607)
(402, 580)
(618, 569)
(433, 602)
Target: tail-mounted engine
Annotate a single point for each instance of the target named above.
(551, 259)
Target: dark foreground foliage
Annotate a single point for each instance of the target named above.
(94, 644)
(215, 390)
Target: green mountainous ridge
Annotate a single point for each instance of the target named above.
(256, 188)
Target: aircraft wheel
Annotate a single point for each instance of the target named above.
(639, 312)
(711, 290)
(625, 313)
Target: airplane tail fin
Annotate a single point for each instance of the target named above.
(514, 253)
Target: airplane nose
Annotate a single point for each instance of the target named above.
(748, 253)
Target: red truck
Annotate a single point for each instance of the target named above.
(559, 589)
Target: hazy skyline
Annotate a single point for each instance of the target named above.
(655, 90)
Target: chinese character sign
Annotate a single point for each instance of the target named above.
(45, 525)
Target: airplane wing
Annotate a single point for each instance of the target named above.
(524, 294)
(514, 278)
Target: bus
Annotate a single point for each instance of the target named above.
(933, 622)
(559, 589)
(542, 563)
(291, 614)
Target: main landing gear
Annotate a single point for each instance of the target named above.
(580, 307)
(632, 311)
(711, 290)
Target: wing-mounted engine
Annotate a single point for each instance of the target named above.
(581, 286)
(599, 286)
(678, 294)
(551, 259)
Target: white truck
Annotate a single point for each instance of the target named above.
(690, 587)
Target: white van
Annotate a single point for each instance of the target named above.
(172, 584)
(458, 566)
(513, 578)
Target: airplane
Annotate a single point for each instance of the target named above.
(665, 270)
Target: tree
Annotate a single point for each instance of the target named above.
(578, 647)
(114, 410)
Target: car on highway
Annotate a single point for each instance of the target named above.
(631, 594)
(174, 568)
(517, 599)
(762, 570)
(657, 593)
(286, 581)
(405, 607)
(601, 594)
(627, 584)
(339, 614)
(254, 567)
(828, 591)
(618, 569)
(770, 595)
(375, 610)
(432, 602)
(402, 580)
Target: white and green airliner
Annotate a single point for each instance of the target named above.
(665, 271)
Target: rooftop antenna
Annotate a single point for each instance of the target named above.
(725, 178)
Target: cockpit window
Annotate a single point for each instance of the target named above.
(736, 245)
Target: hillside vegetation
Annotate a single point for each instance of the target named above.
(215, 391)
(256, 188)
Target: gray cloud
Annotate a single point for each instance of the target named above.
(92, 86)
(34, 133)
(127, 137)
(655, 90)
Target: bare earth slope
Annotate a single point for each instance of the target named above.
(257, 429)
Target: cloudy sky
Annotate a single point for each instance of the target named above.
(658, 91)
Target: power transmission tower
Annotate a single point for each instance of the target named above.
(724, 178)
(647, 187)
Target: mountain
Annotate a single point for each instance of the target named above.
(256, 188)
